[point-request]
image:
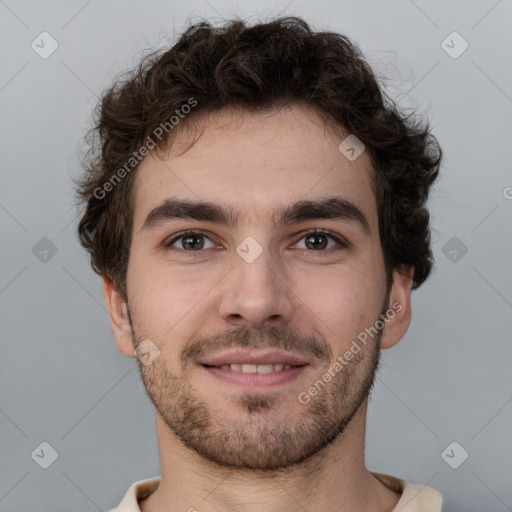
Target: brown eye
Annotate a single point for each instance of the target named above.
(189, 242)
(192, 242)
(316, 241)
(319, 241)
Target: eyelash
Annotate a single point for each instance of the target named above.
(329, 234)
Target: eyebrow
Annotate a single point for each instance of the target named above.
(335, 207)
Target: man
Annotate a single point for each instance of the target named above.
(257, 213)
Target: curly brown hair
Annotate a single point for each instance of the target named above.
(259, 67)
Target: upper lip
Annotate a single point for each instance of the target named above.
(254, 357)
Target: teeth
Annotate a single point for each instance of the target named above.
(265, 368)
(256, 368)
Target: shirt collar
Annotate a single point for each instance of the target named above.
(415, 497)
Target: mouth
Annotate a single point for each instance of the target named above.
(251, 375)
(254, 368)
(250, 369)
(246, 360)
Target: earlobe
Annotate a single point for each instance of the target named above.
(119, 319)
(398, 316)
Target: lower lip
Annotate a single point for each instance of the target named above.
(256, 379)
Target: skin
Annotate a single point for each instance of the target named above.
(223, 448)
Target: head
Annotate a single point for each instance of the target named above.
(224, 215)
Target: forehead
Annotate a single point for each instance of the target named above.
(256, 163)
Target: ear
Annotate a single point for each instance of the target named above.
(119, 321)
(399, 307)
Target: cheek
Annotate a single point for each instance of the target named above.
(165, 305)
(343, 303)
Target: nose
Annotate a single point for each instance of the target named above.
(256, 294)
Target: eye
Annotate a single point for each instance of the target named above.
(318, 240)
(191, 241)
(194, 241)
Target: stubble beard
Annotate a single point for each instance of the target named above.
(261, 438)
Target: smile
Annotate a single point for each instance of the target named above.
(255, 368)
(250, 376)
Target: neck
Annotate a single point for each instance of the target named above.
(335, 479)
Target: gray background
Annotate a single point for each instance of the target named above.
(62, 379)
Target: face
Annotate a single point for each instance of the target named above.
(251, 298)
